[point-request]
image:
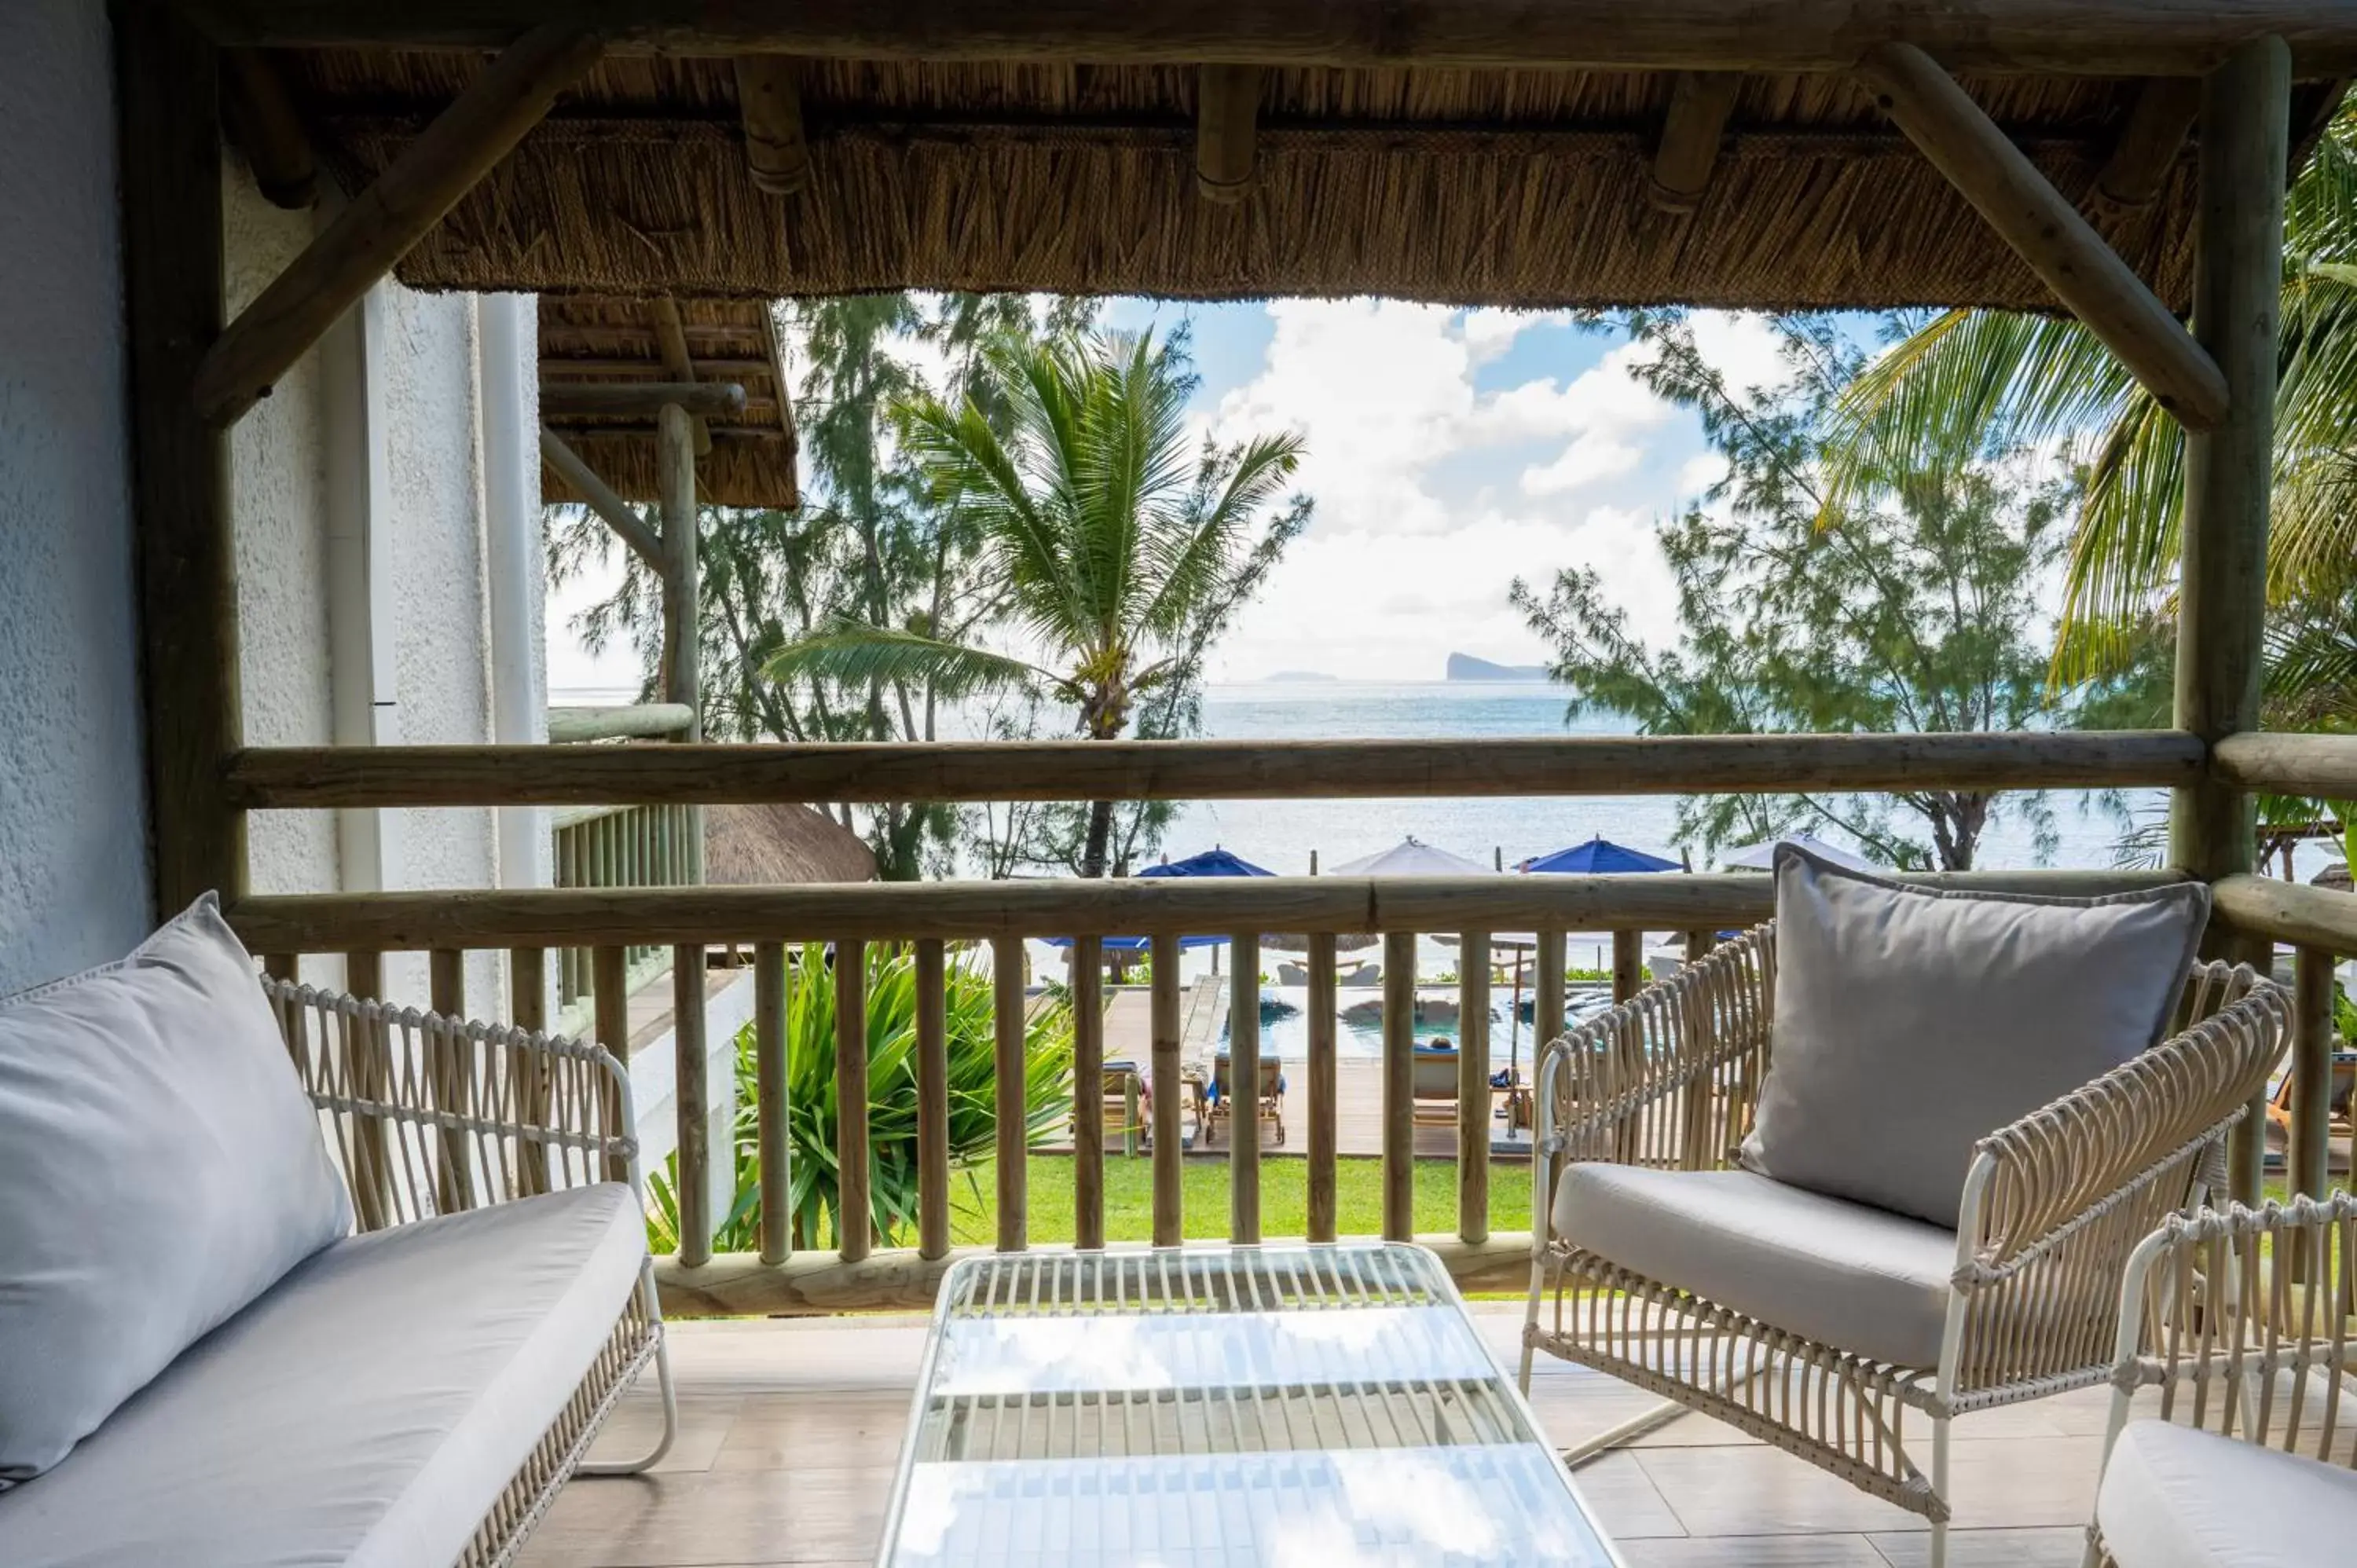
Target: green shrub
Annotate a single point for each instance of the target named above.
(813, 1186)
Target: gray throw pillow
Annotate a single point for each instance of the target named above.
(1910, 1022)
(160, 1166)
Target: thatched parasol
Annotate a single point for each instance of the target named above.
(765, 845)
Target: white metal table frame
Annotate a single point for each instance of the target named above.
(1223, 1405)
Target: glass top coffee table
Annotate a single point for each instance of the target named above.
(1327, 1406)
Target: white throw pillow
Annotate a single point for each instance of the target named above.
(160, 1166)
(1910, 1022)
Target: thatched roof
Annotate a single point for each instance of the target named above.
(1516, 188)
(765, 845)
(607, 340)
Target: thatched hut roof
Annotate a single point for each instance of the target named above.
(765, 845)
(1524, 187)
(609, 340)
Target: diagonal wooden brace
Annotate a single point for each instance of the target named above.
(2048, 233)
(465, 143)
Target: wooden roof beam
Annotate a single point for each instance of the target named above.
(624, 400)
(769, 103)
(670, 337)
(600, 497)
(2067, 37)
(2149, 143)
(2048, 233)
(1700, 102)
(264, 123)
(465, 141)
(1227, 116)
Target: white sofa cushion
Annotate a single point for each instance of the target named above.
(160, 1166)
(2174, 1496)
(1859, 1278)
(1910, 1023)
(366, 1410)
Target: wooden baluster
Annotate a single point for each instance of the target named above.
(369, 1075)
(692, 1100)
(1243, 1090)
(528, 1078)
(1170, 1171)
(1546, 1027)
(1088, 1092)
(1473, 1087)
(932, 1102)
(2308, 1163)
(1628, 964)
(854, 1226)
(1008, 1082)
(1324, 1092)
(770, 1101)
(609, 994)
(1399, 1085)
(448, 1070)
(569, 961)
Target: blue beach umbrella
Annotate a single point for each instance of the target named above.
(1598, 856)
(1211, 862)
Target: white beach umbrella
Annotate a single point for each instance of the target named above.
(1410, 857)
(1763, 856)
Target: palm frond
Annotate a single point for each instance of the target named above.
(854, 654)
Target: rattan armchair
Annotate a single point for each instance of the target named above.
(2237, 1346)
(427, 1115)
(2052, 1207)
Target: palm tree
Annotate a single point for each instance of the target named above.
(1118, 560)
(1967, 381)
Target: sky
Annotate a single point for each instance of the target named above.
(1448, 452)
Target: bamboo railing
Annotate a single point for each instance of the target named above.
(946, 922)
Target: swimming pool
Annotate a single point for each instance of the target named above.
(1284, 1023)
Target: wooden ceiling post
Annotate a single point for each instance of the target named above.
(675, 472)
(1700, 102)
(769, 101)
(671, 338)
(2048, 233)
(168, 81)
(465, 141)
(1227, 113)
(264, 123)
(2149, 143)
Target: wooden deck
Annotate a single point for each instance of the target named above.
(791, 1431)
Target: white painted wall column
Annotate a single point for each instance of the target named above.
(507, 342)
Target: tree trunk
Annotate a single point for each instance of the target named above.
(1093, 854)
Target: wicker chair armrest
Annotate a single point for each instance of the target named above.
(2059, 1200)
(1667, 1077)
(428, 1114)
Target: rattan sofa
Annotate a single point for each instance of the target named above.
(416, 1392)
(2017, 1302)
(2234, 1425)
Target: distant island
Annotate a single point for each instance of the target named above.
(1302, 675)
(1465, 667)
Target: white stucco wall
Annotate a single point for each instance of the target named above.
(73, 871)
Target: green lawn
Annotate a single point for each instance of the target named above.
(1284, 1199)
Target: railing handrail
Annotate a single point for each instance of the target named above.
(1112, 906)
(286, 777)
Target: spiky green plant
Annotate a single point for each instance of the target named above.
(812, 1183)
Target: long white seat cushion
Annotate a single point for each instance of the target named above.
(2174, 1496)
(1863, 1280)
(366, 1410)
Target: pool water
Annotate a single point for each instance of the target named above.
(1284, 1023)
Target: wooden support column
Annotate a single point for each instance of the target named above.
(2047, 233)
(1227, 114)
(2222, 602)
(601, 498)
(465, 143)
(2149, 143)
(769, 101)
(167, 89)
(670, 337)
(1700, 102)
(675, 473)
(1628, 964)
